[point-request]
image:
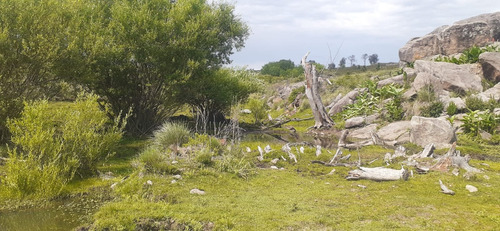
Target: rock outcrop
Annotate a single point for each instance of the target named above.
(346, 100)
(448, 40)
(397, 131)
(447, 76)
(438, 131)
(490, 61)
(492, 93)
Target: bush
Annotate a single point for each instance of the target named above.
(170, 134)
(51, 144)
(205, 141)
(426, 94)
(451, 109)
(295, 92)
(155, 161)
(258, 108)
(475, 121)
(475, 103)
(234, 161)
(433, 110)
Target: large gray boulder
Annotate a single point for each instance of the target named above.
(448, 40)
(492, 93)
(438, 131)
(363, 133)
(490, 61)
(447, 76)
(398, 131)
(346, 100)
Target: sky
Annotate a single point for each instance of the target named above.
(332, 29)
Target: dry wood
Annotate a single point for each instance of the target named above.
(336, 157)
(445, 189)
(453, 158)
(378, 174)
(321, 117)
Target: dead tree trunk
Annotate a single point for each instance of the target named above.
(378, 174)
(321, 118)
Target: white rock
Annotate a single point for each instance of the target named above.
(274, 167)
(249, 150)
(178, 177)
(149, 182)
(471, 188)
(301, 149)
(175, 162)
(274, 161)
(197, 191)
(246, 111)
(486, 177)
(267, 149)
(173, 181)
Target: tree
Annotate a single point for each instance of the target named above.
(352, 59)
(321, 117)
(32, 38)
(331, 66)
(137, 54)
(280, 68)
(342, 62)
(373, 59)
(364, 57)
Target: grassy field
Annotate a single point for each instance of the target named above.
(304, 196)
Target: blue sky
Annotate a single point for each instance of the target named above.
(287, 29)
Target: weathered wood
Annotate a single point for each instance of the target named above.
(445, 189)
(337, 156)
(428, 151)
(321, 117)
(453, 158)
(378, 174)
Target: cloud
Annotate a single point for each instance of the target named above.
(288, 28)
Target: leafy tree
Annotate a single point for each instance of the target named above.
(32, 38)
(352, 59)
(279, 68)
(373, 59)
(331, 66)
(342, 62)
(137, 54)
(364, 57)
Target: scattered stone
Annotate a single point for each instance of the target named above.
(455, 171)
(485, 164)
(173, 181)
(471, 188)
(398, 80)
(486, 177)
(318, 150)
(282, 168)
(197, 191)
(354, 122)
(267, 149)
(274, 167)
(485, 135)
(249, 150)
(149, 182)
(175, 162)
(246, 111)
(492, 93)
(274, 161)
(178, 177)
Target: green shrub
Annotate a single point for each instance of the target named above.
(258, 108)
(170, 134)
(474, 103)
(432, 110)
(470, 55)
(234, 161)
(51, 144)
(451, 109)
(295, 92)
(155, 161)
(204, 157)
(426, 94)
(205, 141)
(475, 121)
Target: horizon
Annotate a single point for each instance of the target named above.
(343, 27)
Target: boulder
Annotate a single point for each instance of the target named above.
(447, 76)
(363, 133)
(399, 80)
(448, 40)
(398, 131)
(438, 131)
(492, 93)
(346, 100)
(490, 62)
(354, 122)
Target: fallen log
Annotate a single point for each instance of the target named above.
(453, 158)
(445, 189)
(378, 174)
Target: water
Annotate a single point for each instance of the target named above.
(63, 215)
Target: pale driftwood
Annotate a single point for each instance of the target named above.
(445, 189)
(428, 151)
(337, 156)
(453, 158)
(378, 174)
(286, 148)
(321, 118)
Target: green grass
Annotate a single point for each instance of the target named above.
(305, 197)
